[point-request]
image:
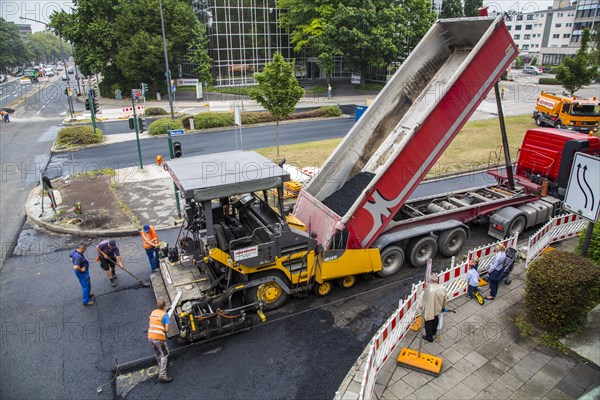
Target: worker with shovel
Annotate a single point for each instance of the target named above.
(108, 257)
(150, 240)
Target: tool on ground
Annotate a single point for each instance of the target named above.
(144, 284)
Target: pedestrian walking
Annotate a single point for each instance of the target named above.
(435, 303)
(138, 96)
(81, 268)
(496, 270)
(108, 257)
(329, 92)
(473, 278)
(150, 240)
(157, 336)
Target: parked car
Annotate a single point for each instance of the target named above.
(3, 78)
(532, 69)
(48, 71)
(64, 77)
(71, 70)
(59, 67)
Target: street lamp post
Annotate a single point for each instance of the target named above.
(168, 72)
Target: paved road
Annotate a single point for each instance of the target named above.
(124, 154)
(25, 149)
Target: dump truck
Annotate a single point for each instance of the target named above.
(576, 113)
(240, 253)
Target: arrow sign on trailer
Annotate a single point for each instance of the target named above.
(583, 190)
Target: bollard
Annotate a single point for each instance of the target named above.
(192, 124)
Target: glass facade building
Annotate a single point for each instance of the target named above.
(243, 36)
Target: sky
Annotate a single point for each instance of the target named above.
(41, 10)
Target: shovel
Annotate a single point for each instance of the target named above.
(144, 284)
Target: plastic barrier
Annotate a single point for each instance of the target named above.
(557, 229)
(389, 336)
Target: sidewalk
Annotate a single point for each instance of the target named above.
(484, 357)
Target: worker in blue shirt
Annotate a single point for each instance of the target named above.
(81, 268)
(495, 270)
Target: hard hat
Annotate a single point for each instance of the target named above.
(146, 228)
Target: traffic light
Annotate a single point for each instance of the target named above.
(131, 123)
(87, 104)
(142, 123)
(177, 149)
(144, 88)
(95, 101)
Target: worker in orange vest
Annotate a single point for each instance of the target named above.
(150, 240)
(157, 336)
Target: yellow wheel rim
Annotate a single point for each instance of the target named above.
(270, 292)
(349, 281)
(324, 288)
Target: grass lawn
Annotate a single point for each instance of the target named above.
(471, 148)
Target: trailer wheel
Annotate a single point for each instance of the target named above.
(346, 282)
(420, 250)
(517, 225)
(270, 293)
(450, 242)
(392, 258)
(322, 289)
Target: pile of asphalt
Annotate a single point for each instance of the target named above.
(341, 200)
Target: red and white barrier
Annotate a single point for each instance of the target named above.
(557, 229)
(389, 336)
(124, 112)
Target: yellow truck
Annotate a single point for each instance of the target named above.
(575, 113)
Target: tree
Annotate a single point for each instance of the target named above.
(306, 21)
(451, 9)
(278, 90)
(45, 46)
(576, 72)
(471, 7)
(122, 39)
(199, 53)
(371, 33)
(13, 51)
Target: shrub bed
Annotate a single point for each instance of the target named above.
(549, 81)
(77, 136)
(159, 127)
(151, 111)
(593, 251)
(561, 288)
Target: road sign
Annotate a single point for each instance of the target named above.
(177, 132)
(583, 190)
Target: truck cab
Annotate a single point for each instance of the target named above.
(573, 113)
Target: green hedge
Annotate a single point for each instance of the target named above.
(213, 120)
(593, 251)
(159, 127)
(549, 81)
(561, 288)
(151, 111)
(78, 136)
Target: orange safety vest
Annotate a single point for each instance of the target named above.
(156, 330)
(149, 238)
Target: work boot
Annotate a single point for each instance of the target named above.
(113, 283)
(165, 378)
(90, 303)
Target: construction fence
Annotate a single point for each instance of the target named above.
(454, 278)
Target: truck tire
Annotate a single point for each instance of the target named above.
(517, 225)
(558, 125)
(420, 250)
(272, 294)
(538, 120)
(322, 289)
(450, 242)
(392, 258)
